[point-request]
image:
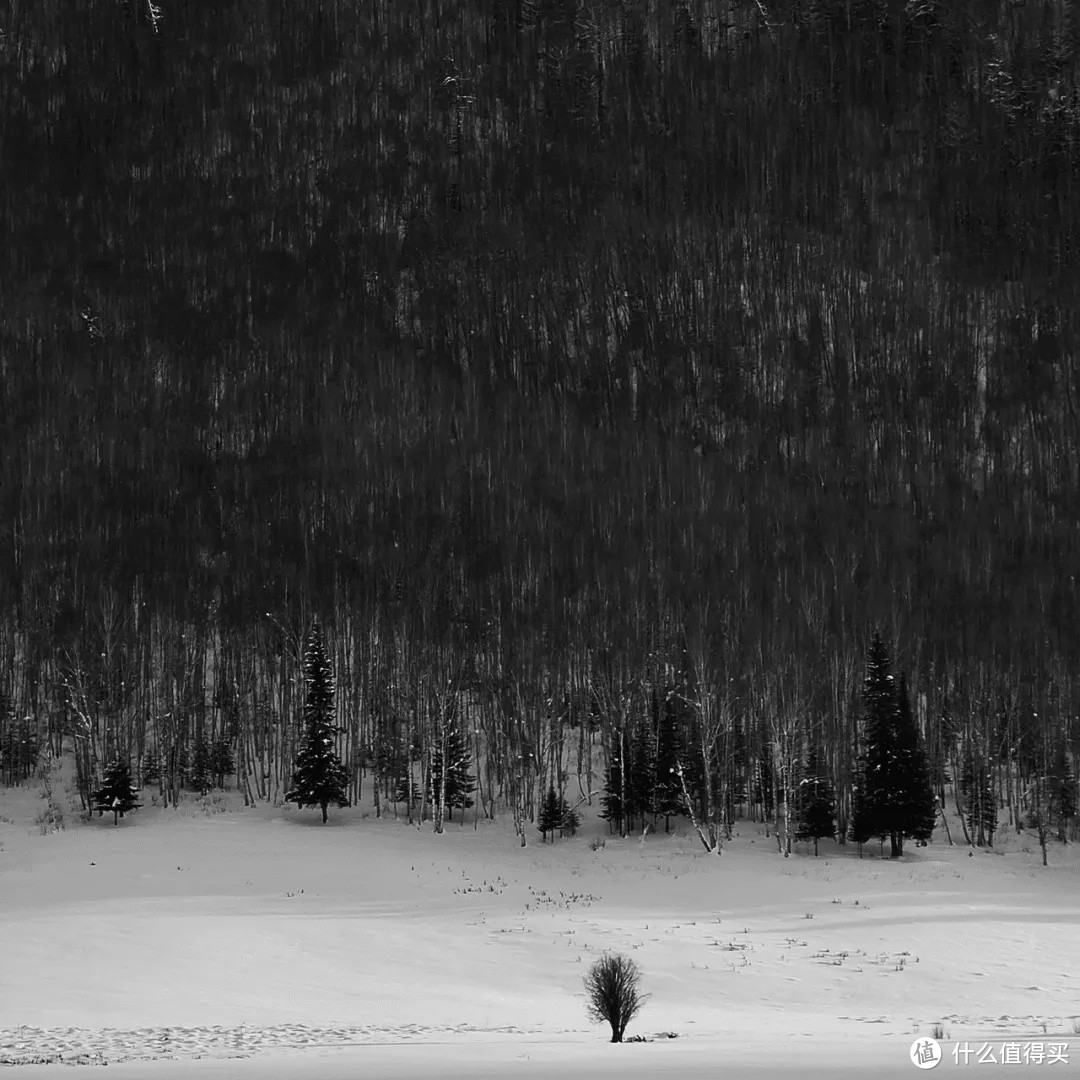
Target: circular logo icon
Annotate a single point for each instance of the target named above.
(925, 1053)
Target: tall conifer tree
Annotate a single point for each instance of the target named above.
(668, 800)
(459, 782)
(629, 793)
(817, 810)
(892, 795)
(1062, 786)
(320, 778)
(915, 806)
(978, 795)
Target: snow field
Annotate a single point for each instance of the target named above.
(261, 941)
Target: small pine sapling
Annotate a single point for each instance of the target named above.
(222, 762)
(151, 768)
(459, 782)
(817, 813)
(556, 814)
(117, 793)
(550, 812)
(200, 774)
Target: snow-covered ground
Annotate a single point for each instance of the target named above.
(220, 942)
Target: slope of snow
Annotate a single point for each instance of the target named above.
(266, 944)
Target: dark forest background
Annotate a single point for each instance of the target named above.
(555, 354)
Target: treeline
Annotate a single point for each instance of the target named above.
(537, 347)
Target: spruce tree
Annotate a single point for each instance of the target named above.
(817, 811)
(978, 795)
(547, 821)
(1062, 787)
(319, 778)
(916, 808)
(406, 790)
(879, 718)
(222, 762)
(176, 763)
(643, 761)
(622, 799)
(18, 744)
(402, 754)
(151, 768)
(556, 814)
(200, 774)
(668, 799)
(117, 793)
(763, 787)
(892, 795)
(859, 824)
(643, 778)
(459, 783)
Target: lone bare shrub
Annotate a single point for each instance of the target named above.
(612, 990)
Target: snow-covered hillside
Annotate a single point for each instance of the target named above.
(268, 945)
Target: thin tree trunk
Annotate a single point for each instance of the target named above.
(622, 783)
(708, 843)
(440, 797)
(956, 798)
(944, 819)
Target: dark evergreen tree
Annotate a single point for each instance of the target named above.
(611, 802)
(622, 799)
(859, 823)
(401, 758)
(763, 785)
(915, 808)
(644, 775)
(116, 793)
(554, 814)
(406, 788)
(460, 784)
(941, 738)
(691, 758)
(740, 793)
(176, 763)
(385, 755)
(863, 823)
(1062, 790)
(222, 762)
(892, 796)
(817, 808)
(320, 778)
(18, 745)
(151, 768)
(977, 794)
(200, 776)
(668, 800)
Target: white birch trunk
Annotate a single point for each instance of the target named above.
(709, 842)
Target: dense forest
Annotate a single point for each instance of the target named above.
(563, 358)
